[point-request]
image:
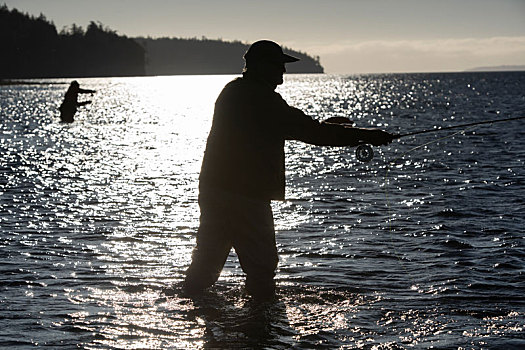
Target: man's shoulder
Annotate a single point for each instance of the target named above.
(246, 84)
(234, 86)
(250, 84)
(243, 87)
(248, 92)
(239, 81)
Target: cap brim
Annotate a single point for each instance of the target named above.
(289, 59)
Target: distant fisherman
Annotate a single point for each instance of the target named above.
(243, 170)
(69, 106)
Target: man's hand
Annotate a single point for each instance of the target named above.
(338, 120)
(379, 137)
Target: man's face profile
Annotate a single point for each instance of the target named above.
(273, 72)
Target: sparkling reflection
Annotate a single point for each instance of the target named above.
(414, 249)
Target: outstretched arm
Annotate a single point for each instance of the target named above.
(83, 103)
(334, 132)
(86, 91)
(339, 135)
(374, 137)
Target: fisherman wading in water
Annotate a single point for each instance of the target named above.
(69, 106)
(243, 170)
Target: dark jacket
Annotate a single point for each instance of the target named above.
(245, 148)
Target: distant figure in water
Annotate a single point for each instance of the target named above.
(68, 108)
(243, 170)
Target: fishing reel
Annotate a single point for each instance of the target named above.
(364, 153)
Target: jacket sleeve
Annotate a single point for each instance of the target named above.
(301, 127)
(86, 91)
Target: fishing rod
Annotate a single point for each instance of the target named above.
(458, 126)
(365, 153)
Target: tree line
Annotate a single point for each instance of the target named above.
(33, 48)
(166, 56)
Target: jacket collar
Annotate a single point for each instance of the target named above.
(252, 78)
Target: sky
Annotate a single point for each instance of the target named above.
(350, 36)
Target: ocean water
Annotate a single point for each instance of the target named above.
(422, 247)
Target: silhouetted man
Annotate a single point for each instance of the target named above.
(243, 170)
(69, 106)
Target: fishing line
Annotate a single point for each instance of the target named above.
(394, 161)
(391, 163)
(387, 181)
(459, 126)
(365, 153)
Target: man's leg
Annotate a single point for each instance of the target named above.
(208, 259)
(254, 243)
(213, 245)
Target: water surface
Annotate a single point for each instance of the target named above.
(421, 247)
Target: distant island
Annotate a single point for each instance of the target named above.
(167, 56)
(513, 68)
(33, 48)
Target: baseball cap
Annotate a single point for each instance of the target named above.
(267, 50)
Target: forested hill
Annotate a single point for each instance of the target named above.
(204, 56)
(31, 47)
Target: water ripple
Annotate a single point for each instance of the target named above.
(422, 247)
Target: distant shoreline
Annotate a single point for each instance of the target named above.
(34, 48)
(7, 82)
(25, 82)
(504, 68)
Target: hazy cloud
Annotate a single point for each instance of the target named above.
(421, 55)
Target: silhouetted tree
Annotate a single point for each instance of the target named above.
(167, 56)
(32, 48)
